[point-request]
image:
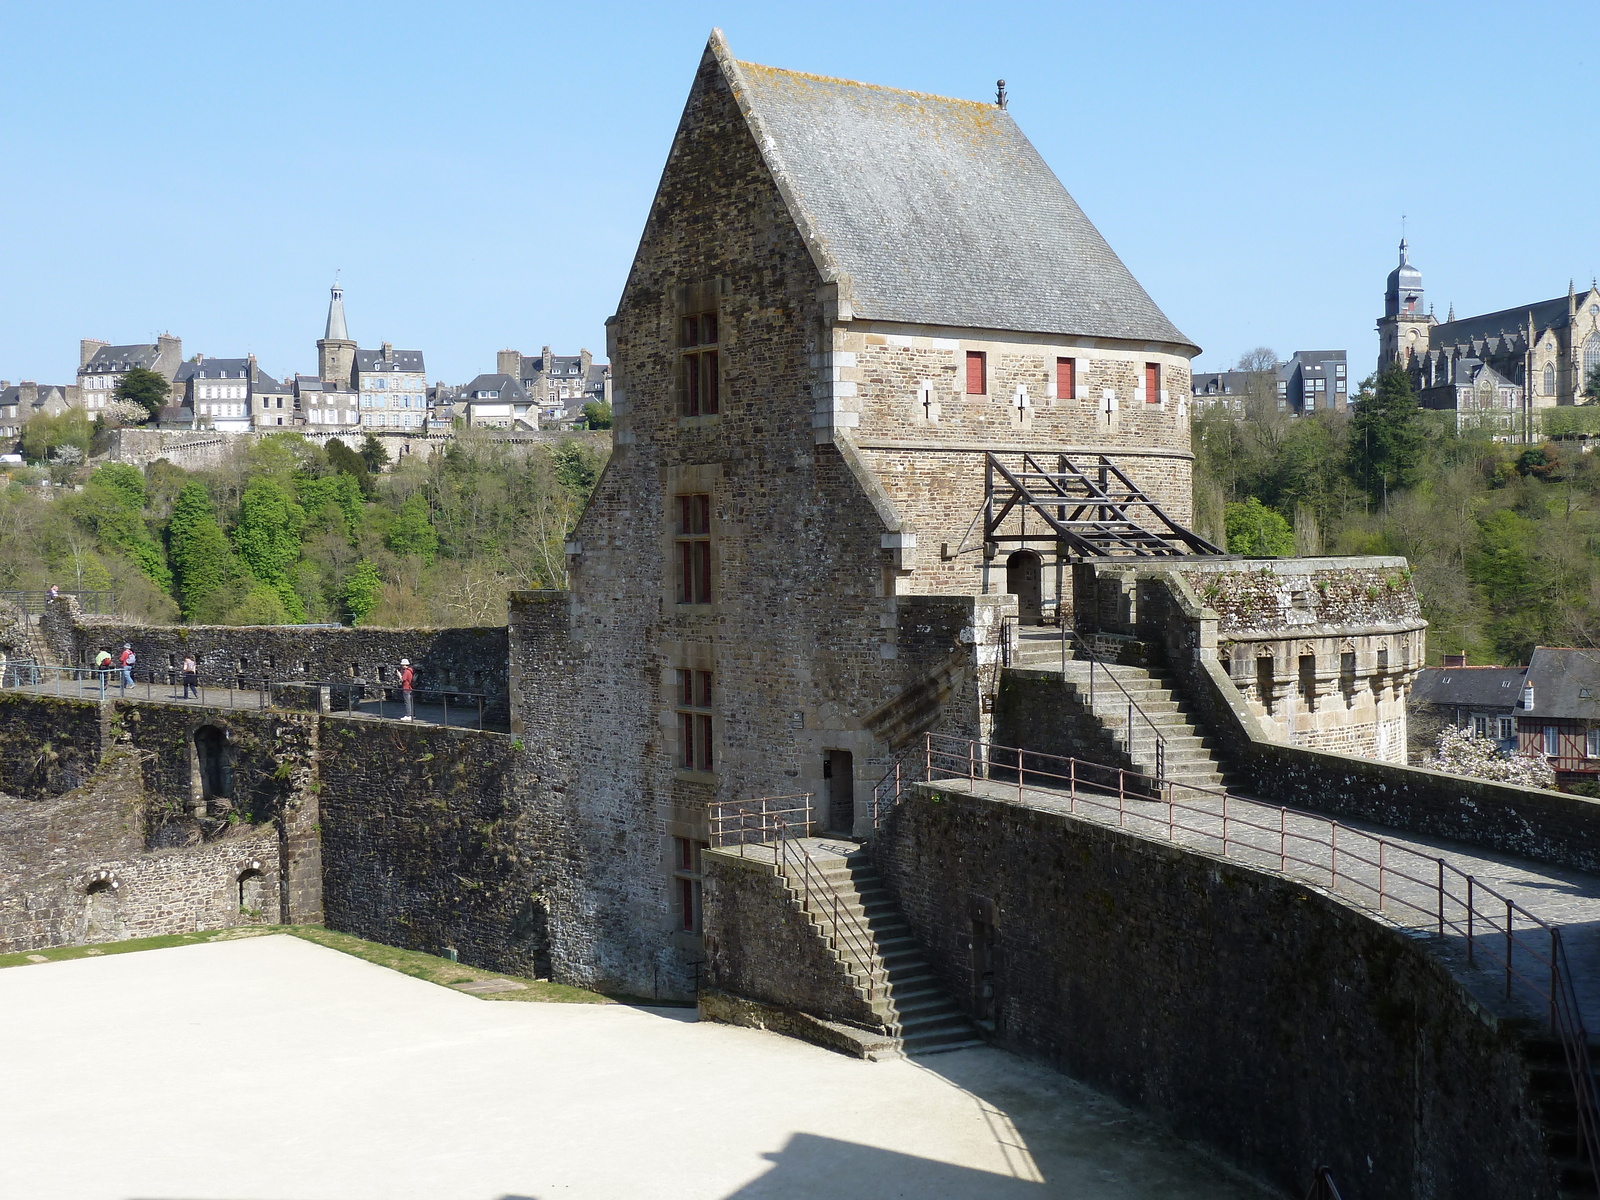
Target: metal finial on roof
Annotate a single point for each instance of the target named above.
(1000, 92)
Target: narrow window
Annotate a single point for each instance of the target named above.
(694, 549)
(1066, 378)
(1593, 747)
(1508, 729)
(694, 720)
(1480, 727)
(1549, 380)
(1552, 741)
(1152, 383)
(686, 875)
(701, 387)
(977, 373)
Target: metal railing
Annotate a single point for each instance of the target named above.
(1524, 953)
(237, 691)
(93, 604)
(1098, 668)
(772, 822)
(1322, 1186)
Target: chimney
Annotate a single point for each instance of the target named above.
(509, 362)
(28, 392)
(388, 352)
(586, 361)
(1527, 696)
(546, 360)
(169, 355)
(88, 348)
(1453, 660)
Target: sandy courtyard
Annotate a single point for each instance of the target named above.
(273, 1069)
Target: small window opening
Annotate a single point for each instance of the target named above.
(694, 549)
(694, 720)
(701, 385)
(1152, 383)
(1066, 378)
(977, 373)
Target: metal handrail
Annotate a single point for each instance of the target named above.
(244, 691)
(1501, 935)
(769, 821)
(1322, 1186)
(97, 603)
(1133, 705)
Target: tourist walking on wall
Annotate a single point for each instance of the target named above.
(102, 666)
(126, 660)
(191, 677)
(407, 678)
(55, 591)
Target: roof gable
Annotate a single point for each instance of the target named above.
(935, 211)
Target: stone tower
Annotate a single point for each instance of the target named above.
(1403, 328)
(336, 353)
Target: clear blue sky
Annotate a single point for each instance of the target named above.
(480, 172)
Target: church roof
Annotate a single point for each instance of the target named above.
(937, 211)
(1547, 314)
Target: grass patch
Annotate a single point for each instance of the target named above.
(414, 963)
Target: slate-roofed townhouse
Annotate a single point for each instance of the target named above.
(326, 405)
(392, 388)
(1309, 381)
(101, 367)
(499, 402)
(844, 299)
(21, 402)
(233, 395)
(1481, 699)
(559, 384)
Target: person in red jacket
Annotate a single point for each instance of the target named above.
(407, 677)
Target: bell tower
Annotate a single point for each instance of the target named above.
(1403, 328)
(336, 353)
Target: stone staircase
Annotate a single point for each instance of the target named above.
(880, 953)
(1551, 1088)
(1189, 757)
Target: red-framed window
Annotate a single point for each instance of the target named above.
(1066, 378)
(977, 373)
(701, 383)
(694, 720)
(694, 548)
(1152, 383)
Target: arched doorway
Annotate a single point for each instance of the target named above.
(1025, 580)
(101, 919)
(214, 763)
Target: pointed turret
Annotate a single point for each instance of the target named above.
(336, 353)
(1572, 300)
(336, 331)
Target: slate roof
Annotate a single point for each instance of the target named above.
(507, 387)
(1547, 314)
(121, 358)
(1468, 687)
(404, 360)
(1566, 683)
(214, 368)
(937, 211)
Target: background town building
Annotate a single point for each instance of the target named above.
(560, 384)
(499, 402)
(1310, 381)
(233, 395)
(101, 366)
(392, 388)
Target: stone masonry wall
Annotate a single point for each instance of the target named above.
(759, 946)
(49, 746)
(1247, 1011)
(430, 841)
(76, 868)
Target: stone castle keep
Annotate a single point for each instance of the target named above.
(892, 420)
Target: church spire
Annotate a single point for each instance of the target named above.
(1404, 260)
(1451, 315)
(1572, 299)
(336, 326)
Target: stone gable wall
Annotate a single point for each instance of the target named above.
(1249, 1012)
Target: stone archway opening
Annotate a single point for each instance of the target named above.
(213, 767)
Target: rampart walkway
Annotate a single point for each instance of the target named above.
(1402, 878)
(429, 712)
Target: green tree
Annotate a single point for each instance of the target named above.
(268, 538)
(1591, 386)
(1257, 530)
(413, 532)
(261, 605)
(577, 468)
(148, 389)
(347, 462)
(362, 591)
(43, 436)
(373, 454)
(597, 414)
(1386, 435)
(201, 557)
(111, 506)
